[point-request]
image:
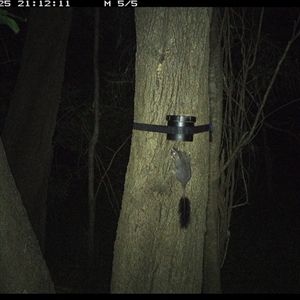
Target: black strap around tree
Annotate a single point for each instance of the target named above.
(171, 129)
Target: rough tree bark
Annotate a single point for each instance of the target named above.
(152, 253)
(22, 268)
(215, 209)
(31, 119)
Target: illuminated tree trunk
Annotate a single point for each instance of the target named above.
(215, 229)
(152, 253)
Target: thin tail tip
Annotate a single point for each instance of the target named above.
(184, 211)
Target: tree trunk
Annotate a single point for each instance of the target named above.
(31, 119)
(268, 164)
(215, 209)
(22, 268)
(152, 253)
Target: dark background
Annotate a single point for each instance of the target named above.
(263, 252)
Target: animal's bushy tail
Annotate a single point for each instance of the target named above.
(184, 211)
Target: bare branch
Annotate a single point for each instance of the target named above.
(247, 137)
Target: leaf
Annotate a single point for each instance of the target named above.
(5, 19)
